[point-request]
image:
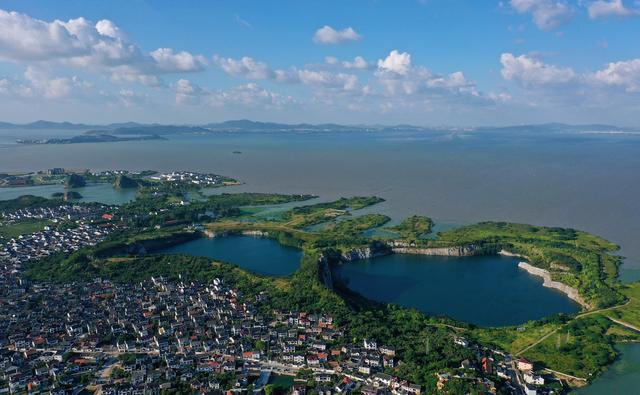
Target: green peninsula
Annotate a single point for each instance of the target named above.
(331, 233)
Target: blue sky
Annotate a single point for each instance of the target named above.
(428, 62)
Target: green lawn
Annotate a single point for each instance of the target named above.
(578, 259)
(629, 313)
(580, 348)
(10, 231)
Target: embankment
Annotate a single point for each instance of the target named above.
(399, 247)
(549, 283)
(142, 247)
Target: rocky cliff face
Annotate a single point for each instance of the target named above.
(324, 272)
(74, 181)
(549, 283)
(123, 182)
(468, 250)
(255, 233)
(512, 254)
(374, 250)
(398, 247)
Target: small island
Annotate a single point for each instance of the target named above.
(67, 195)
(74, 180)
(123, 182)
(94, 138)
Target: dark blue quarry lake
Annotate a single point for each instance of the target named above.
(257, 254)
(487, 290)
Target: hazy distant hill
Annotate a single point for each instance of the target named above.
(98, 138)
(559, 128)
(245, 125)
(157, 130)
(39, 125)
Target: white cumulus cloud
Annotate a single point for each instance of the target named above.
(328, 35)
(624, 74)
(547, 14)
(42, 84)
(244, 67)
(530, 71)
(170, 61)
(396, 62)
(98, 47)
(23, 38)
(249, 95)
(608, 8)
(358, 63)
(107, 28)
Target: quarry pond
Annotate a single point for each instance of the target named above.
(257, 254)
(483, 290)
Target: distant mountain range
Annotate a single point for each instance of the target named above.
(48, 125)
(84, 138)
(139, 129)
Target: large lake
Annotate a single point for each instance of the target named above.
(487, 290)
(623, 377)
(257, 254)
(586, 182)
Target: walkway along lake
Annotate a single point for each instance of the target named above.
(258, 254)
(483, 290)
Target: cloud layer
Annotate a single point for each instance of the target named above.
(547, 14)
(610, 8)
(82, 44)
(83, 63)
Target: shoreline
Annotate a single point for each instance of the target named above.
(463, 251)
(571, 292)
(466, 251)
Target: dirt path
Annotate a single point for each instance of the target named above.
(581, 315)
(543, 338)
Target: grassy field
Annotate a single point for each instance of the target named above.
(413, 227)
(515, 338)
(304, 216)
(630, 312)
(578, 259)
(580, 348)
(10, 231)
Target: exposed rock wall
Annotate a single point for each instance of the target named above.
(144, 247)
(512, 254)
(211, 234)
(549, 283)
(324, 272)
(361, 253)
(468, 250)
(256, 233)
